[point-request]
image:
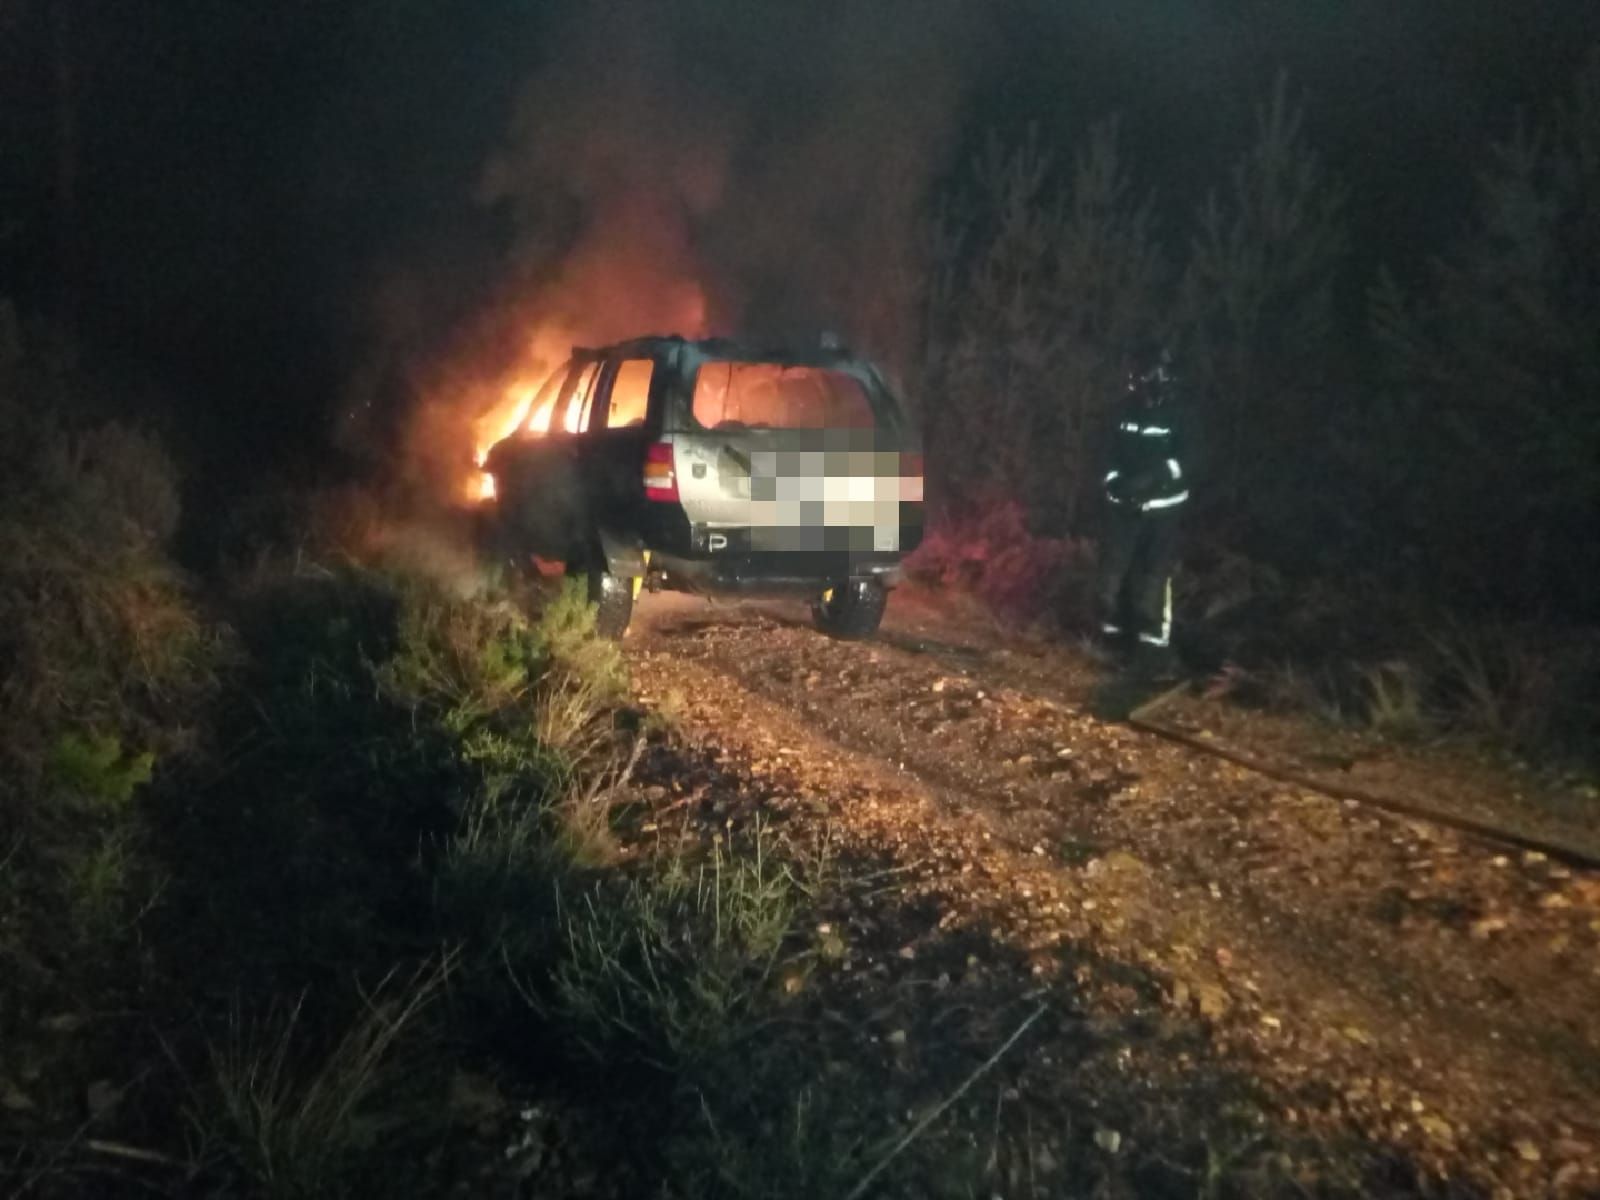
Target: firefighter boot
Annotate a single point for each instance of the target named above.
(1155, 663)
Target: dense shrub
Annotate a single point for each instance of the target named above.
(991, 553)
(105, 661)
(98, 632)
(107, 664)
(264, 845)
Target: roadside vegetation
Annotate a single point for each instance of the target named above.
(311, 883)
(312, 886)
(281, 857)
(345, 874)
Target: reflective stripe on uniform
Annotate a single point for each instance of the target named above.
(1152, 431)
(1165, 636)
(1164, 502)
(1172, 465)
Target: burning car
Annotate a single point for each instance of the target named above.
(708, 466)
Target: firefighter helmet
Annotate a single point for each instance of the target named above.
(1150, 372)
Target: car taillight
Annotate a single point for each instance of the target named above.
(911, 477)
(660, 474)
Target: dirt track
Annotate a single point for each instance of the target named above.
(1384, 983)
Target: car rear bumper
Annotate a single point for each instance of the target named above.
(795, 571)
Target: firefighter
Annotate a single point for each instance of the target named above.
(1146, 485)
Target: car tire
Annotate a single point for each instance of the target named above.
(851, 610)
(612, 597)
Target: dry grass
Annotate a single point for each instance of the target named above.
(1498, 685)
(296, 1121)
(672, 969)
(584, 815)
(1393, 694)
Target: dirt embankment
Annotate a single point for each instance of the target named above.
(1421, 1005)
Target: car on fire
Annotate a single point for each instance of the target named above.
(709, 466)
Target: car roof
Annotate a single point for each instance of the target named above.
(722, 350)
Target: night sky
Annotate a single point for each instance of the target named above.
(253, 179)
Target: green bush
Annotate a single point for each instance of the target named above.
(93, 836)
(98, 631)
(107, 667)
(477, 665)
(412, 766)
(105, 664)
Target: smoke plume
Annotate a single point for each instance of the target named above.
(712, 167)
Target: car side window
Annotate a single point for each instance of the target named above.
(630, 393)
(541, 410)
(582, 401)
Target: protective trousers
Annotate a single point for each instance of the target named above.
(1135, 583)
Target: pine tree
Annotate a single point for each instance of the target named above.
(1047, 286)
(1258, 308)
(1495, 370)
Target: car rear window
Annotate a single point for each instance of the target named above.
(736, 395)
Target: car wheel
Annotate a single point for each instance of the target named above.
(851, 610)
(612, 597)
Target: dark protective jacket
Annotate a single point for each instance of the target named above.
(1148, 466)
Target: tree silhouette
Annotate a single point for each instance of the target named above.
(1495, 371)
(1046, 285)
(1258, 308)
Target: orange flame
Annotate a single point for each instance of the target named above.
(500, 423)
(548, 348)
(675, 305)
